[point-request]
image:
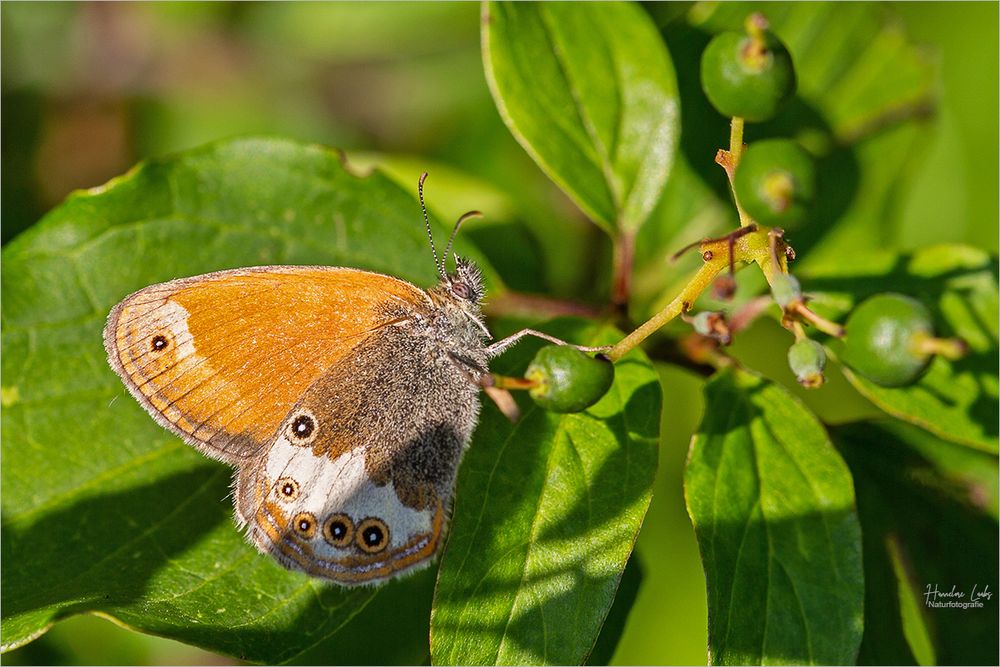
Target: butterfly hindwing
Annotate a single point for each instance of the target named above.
(357, 483)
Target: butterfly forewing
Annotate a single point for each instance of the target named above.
(220, 359)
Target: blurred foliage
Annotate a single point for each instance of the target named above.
(91, 89)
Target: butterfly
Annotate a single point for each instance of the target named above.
(344, 399)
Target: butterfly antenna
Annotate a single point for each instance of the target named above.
(427, 224)
(454, 232)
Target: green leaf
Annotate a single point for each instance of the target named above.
(547, 511)
(589, 91)
(773, 509)
(928, 514)
(103, 510)
(956, 400)
(614, 625)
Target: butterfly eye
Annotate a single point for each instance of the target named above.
(158, 343)
(372, 535)
(287, 488)
(339, 530)
(460, 290)
(302, 429)
(304, 524)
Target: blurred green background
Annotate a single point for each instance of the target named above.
(88, 90)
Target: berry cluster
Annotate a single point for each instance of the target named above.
(889, 339)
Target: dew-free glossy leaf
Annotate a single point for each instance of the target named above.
(773, 509)
(547, 511)
(957, 400)
(928, 513)
(589, 91)
(105, 511)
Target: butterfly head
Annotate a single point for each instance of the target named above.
(465, 283)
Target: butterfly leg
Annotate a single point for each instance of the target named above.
(486, 381)
(500, 346)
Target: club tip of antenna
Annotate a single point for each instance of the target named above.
(423, 177)
(470, 214)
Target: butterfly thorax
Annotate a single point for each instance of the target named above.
(456, 322)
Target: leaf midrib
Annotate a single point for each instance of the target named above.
(603, 164)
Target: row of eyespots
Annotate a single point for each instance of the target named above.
(371, 535)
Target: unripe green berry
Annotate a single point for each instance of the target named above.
(785, 289)
(747, 76)
(884, 336)
(568, 380)
(807, 359)
(775, 182)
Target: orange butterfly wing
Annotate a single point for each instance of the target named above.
(221, 358)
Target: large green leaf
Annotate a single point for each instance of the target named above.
(773, 508)
(105, 511)
(957, 400)
(928, 512)
(546, 514)
(589, 91)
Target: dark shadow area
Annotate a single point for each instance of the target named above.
(389, 625)
(931, 520)
(400, 612)
(700, 139)
(103, 551)
(513, 251)
(20, 129)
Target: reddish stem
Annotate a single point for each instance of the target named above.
(623, 258)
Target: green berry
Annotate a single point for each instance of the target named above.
(807, 359)
(747, 76)
(785, 289)
(775, 182)
(884, 337)
(568, 380)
